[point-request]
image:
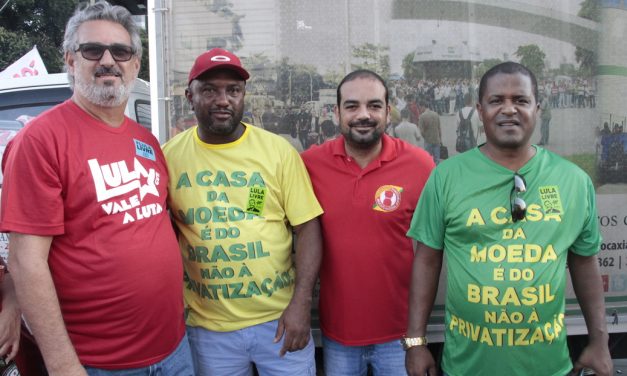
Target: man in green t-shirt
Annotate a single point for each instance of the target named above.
(509, 215)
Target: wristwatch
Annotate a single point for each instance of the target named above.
(408, 343)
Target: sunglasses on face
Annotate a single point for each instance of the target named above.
(518, 205)
(94, 51)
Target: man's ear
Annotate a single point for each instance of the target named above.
(70, 60)
(480, 111)
(189, 96)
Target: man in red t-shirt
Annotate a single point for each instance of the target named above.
(93, 255)
(368, 185)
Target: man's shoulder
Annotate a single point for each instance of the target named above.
(141, 131)
(175, 142)
(461, 164)
(407, 152)
(51, 122)
(66, 107)
(559, 164)
(268, 139)
(321, 150)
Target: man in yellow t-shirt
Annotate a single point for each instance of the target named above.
(236, 193)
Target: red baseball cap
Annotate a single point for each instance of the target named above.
(214, 59)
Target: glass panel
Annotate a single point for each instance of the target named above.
(297, 51)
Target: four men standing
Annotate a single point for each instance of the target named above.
(93, 235)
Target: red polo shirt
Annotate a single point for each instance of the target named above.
(366, 267)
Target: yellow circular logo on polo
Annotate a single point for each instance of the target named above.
(387, 198)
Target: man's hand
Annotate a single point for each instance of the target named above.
(295, 322)
(28, 257)
(10, 325)
(294, 325)
(588, 286)
(595, 356)
(419, 362)
(10, 318)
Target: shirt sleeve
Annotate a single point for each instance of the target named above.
(427, 224)
(300, 202)
(32, 193)
(589, 240)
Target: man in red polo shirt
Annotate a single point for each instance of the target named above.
(368, 185)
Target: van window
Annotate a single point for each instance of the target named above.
(8, 130)
(142, 112)
(30, 102)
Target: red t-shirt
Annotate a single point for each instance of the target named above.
(366, 267)
(115, 262)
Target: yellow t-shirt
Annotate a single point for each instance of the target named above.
(234, 205)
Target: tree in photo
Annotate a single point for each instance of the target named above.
(532, 57)
(411, 70)
(587, 59)
(485, 65)
(26, 23)
(372, 57)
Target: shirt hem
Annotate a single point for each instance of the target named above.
(364, 342)
(139, 364)
(225, 329)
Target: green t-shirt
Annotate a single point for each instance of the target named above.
(506, 280)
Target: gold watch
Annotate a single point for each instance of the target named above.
(408, 343)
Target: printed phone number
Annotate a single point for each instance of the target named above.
(609, 262)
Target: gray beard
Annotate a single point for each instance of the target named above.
(104, 96)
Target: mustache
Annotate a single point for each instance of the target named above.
(222, 110)
(364, 122)
(102, 70)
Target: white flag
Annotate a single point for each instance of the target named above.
(28, 65)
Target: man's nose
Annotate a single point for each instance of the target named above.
(363, 113)
(509, 107)
(107, 59)
(221, 98)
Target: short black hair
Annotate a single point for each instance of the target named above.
(508, 67)
(361, 73)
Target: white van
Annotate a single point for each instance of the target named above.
(30, 96)
(21, 99)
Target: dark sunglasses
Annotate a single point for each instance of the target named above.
(94, 51)
(518, 205)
